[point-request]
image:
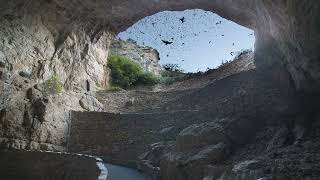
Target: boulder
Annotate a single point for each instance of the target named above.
(199, 135)
(208, 143)
(149, 162)
(246, 170)
(90, 103)
(229, 130)
(212, 153)
(190, 166)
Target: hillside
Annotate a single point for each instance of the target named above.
(149, 99)
(242, 62)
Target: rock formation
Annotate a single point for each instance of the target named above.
(31, 53)
(147, 57)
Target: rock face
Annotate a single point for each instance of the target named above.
(147, 57)
(202, 144)
(31, 53)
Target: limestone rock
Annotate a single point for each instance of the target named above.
(214, 172)
(190, 165)
(169, 132)
(149, 162)
(236, 130)
(31, 52)
(39, 109)
(246, 170)
(34, 93)
(2, 60)
(200, 135)
(147, 57)
(249, 170)
(196, 146)
(208, 143)
(212, 153)
(90, 103)
(25, 74)
(245, 165)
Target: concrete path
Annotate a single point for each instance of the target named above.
(123, 173)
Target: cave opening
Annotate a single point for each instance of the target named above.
(195, 40)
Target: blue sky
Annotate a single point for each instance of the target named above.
(202, 41)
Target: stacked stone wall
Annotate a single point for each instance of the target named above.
(121, 138)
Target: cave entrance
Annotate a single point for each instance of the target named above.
(194, 40)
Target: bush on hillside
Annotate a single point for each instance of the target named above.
(126, 73)
(148, 79)
(169, 77)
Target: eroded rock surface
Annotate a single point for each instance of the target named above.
(203, 144)
(147, 57)
(32, 53)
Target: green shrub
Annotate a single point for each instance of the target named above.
(147, 79)
(53, 85)
(171, 73)
(169, 77)
(126, 73)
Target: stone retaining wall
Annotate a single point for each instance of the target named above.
(121, 138)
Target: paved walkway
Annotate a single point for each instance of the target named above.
(123, 173)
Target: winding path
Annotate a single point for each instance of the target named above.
(123, 173)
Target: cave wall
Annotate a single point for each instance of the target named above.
(287, 33)
(34, 47)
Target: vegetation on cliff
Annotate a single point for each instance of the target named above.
(125, 73)
(171, 73)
